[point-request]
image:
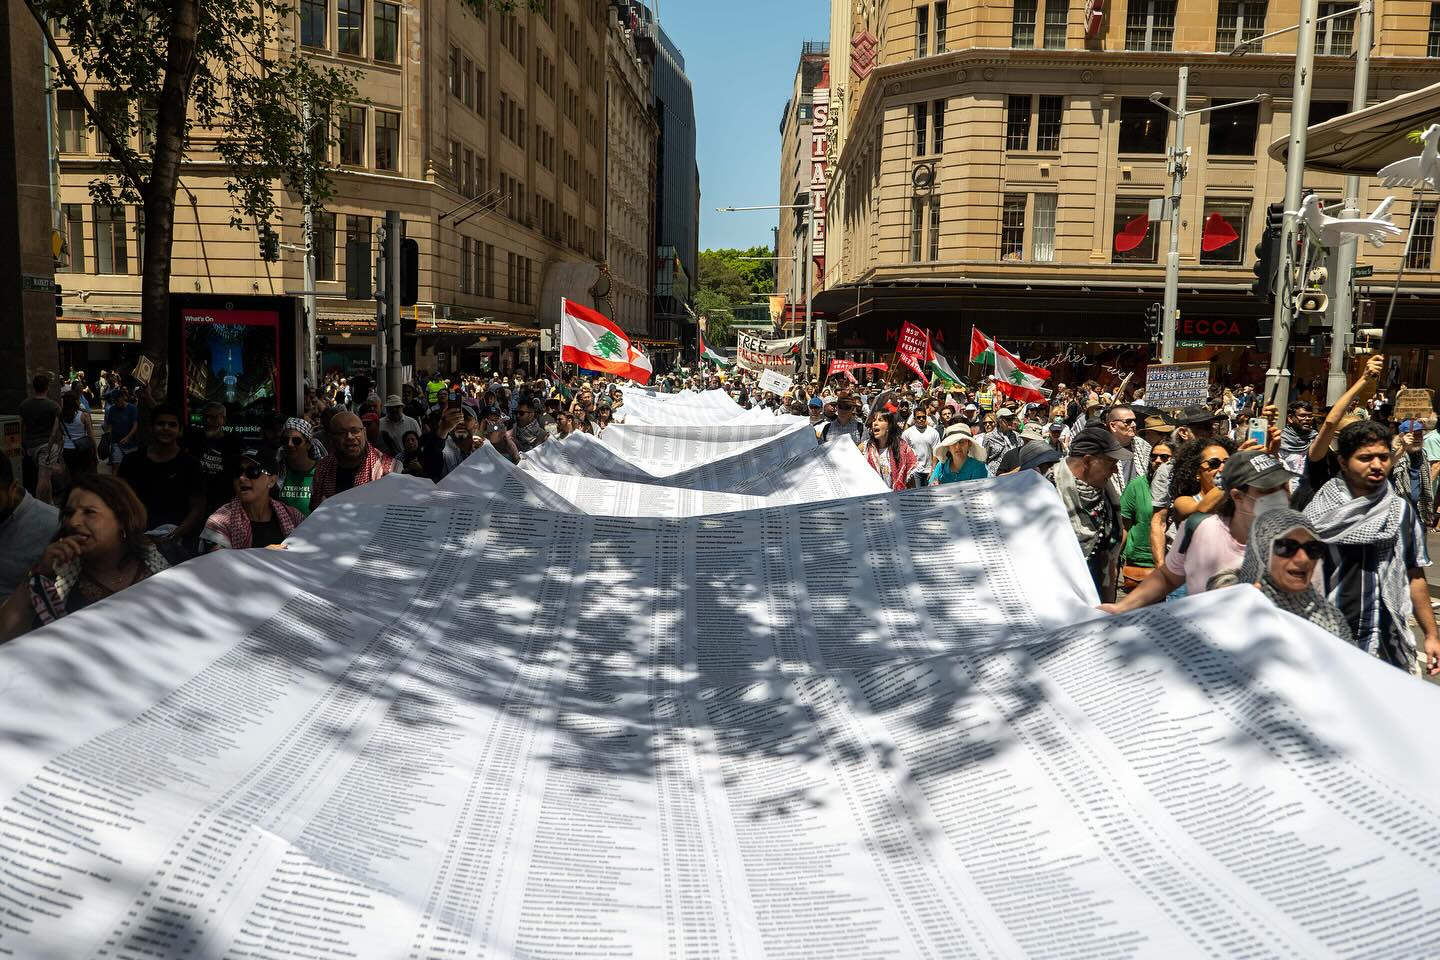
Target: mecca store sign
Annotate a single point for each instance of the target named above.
(1200, 329)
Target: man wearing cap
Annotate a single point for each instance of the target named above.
(395, 425)
(353, 462)
(1083, 482)
(844, 424)
(1002, 438)
(816, 410)
(1410, 476)
(922, 438)
(254, 518)
(1254, 483)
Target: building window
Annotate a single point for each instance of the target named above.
(454, 71)
(1047, 123)
(387, 140)
(74, 137)
(352, 136)
(110, 254)
(1017, 121)
(1012, 227)
(387, 31)
(1042, 232)
(1432, 48)
(116, 114)
(934, 227)
(477, 272)
(1150, 25)
(313, 25)
(918, 214)
(1135, 235)
(1022, 24)
(1222, 235)
(74, 239)
(322, 237)
(937, 123)
(1322, 110)
(922, 31)
(1144, 126)
(139, 240)
(1057, 19)
(921, 111)
(1422, 245)
(467, 82)
(1232, 130)
(352, 27)
(1240, 21)
(941, 22)
(1335, 38)
(490, 270)
(464, 264)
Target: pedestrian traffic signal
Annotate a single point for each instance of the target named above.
(59, 301)
(1267, 254)
(409, 272)
(1154, 320)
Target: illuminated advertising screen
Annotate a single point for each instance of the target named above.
(232, 353)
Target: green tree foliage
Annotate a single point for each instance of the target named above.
(153, 77)
(726, 280)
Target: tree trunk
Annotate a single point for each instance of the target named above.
(172, 110)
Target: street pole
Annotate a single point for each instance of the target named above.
(382, 305)
(394, 231)
(309, 301)
(1341, 285)
(1277, 377)
(1172, 259)
(806, 354)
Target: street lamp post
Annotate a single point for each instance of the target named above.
(1179, 164)
(1339, 279)
(808, 268)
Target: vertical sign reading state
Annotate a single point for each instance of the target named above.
(819, 179)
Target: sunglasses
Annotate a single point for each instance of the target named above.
(1162, 457)
(1130, 421)
(252, 471)
(1287, 548)
(297, 441)
(1214, 463)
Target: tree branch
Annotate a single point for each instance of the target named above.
(118, 154)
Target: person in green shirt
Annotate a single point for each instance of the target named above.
(297, 467)
(1135, 510)
(433, 388)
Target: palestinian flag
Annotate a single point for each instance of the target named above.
(982, 348)
(1019, 381)
(707, 354)
(591, 341)
(939, 368)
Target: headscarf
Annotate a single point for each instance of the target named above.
(1308, 604)
(302, 427)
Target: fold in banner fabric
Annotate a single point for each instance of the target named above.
(474, 721)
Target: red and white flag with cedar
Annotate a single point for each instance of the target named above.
(1018, 380)
(591, 340)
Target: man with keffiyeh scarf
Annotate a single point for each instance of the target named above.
(1375, 570)
(1295, 439)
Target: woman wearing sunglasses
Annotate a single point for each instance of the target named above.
(1280, 561)
(1194, 486)
(254, 518)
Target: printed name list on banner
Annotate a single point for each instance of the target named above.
(1169, 386)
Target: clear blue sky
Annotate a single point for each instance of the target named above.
(741, 57)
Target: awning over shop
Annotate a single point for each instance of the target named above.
(1366, 140)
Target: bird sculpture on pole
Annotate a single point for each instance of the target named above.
(1331, 230)
(1422, 170)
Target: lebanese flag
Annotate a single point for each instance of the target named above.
(1039, 373)
(1017, 383)
(640, 368)
(982, 348)
(589, 339)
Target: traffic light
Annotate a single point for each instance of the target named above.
(269, 244)
(1154, 320)
(59, 301)
(1267, 254)
(409, 272)
(358, 262)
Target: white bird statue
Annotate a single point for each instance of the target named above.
(1375, 228)
(1421, 171)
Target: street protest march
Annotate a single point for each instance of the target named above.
(705, 684)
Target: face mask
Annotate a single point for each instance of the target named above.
(1278, 500)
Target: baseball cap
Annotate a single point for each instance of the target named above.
(262, 458)
(1057, 426)
(1408, 425)
(394, 401)
(1098, 442)
(1029, 456)
(1253, 468)
(816, 402)
(971, 406)
(1004, 412)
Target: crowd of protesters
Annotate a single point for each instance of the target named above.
(1324, 510)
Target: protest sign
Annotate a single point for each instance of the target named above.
(1172, 385)
(776, 383)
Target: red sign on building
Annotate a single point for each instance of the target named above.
(107, 330)
(1094, 18)
(862, 53)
